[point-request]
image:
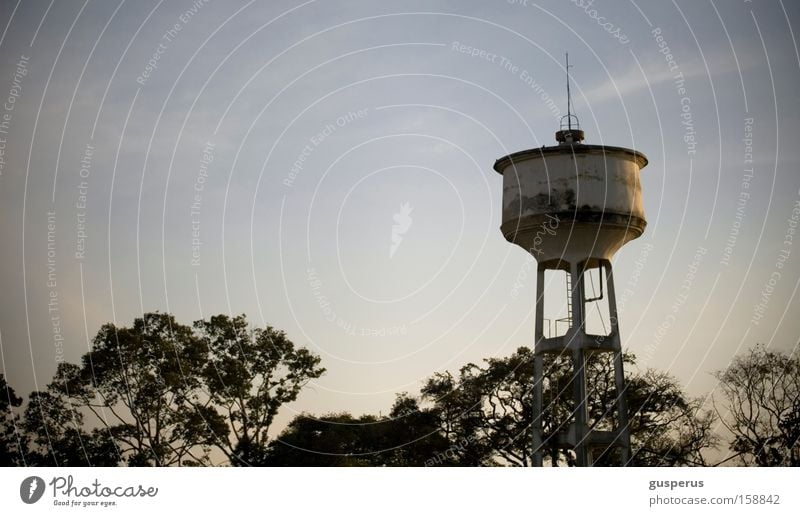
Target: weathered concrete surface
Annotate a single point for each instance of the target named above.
(572, 201)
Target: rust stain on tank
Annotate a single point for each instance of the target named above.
(558, 200)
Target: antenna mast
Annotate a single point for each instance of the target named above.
(566, 133)
(569, 97)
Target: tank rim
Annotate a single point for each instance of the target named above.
(503, 162)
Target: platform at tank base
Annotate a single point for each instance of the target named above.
(595, 438)
(589, 343)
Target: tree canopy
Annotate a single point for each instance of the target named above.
(159, 392)
(761, 389)
(483, 417)
(162, 393)
(11, 435)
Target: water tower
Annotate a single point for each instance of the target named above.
(572, 206)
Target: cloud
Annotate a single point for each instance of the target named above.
(654, 72)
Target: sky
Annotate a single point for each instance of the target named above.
(325, 168)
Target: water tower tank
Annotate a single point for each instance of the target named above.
(572, 201)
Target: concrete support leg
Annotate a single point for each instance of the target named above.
(624, 438)
(538, 373)
(576, 336)
(537, 410)
(579, 395)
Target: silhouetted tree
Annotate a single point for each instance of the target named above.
(57, 436)
(667, 427)
(411, 436)
(484, 416)
(142, 384)
(163, 393)
(337, 439)
(490, 408)
(12, 437)
(249, 375)
(762, 407)
(790, 430)
(408, 436)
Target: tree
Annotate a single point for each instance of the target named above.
(457, 404)
(484, 417)
(169, 394)
(490, 409)
(761, 390)
(249, 375)
(411, 436)
(57, 437)
(667, 427)
(162, 393)
(12, 438)
(141, 383)
(337, 439)
(408, 436)
(790, 429)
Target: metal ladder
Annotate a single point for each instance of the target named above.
(568, 318)
(569, 299)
